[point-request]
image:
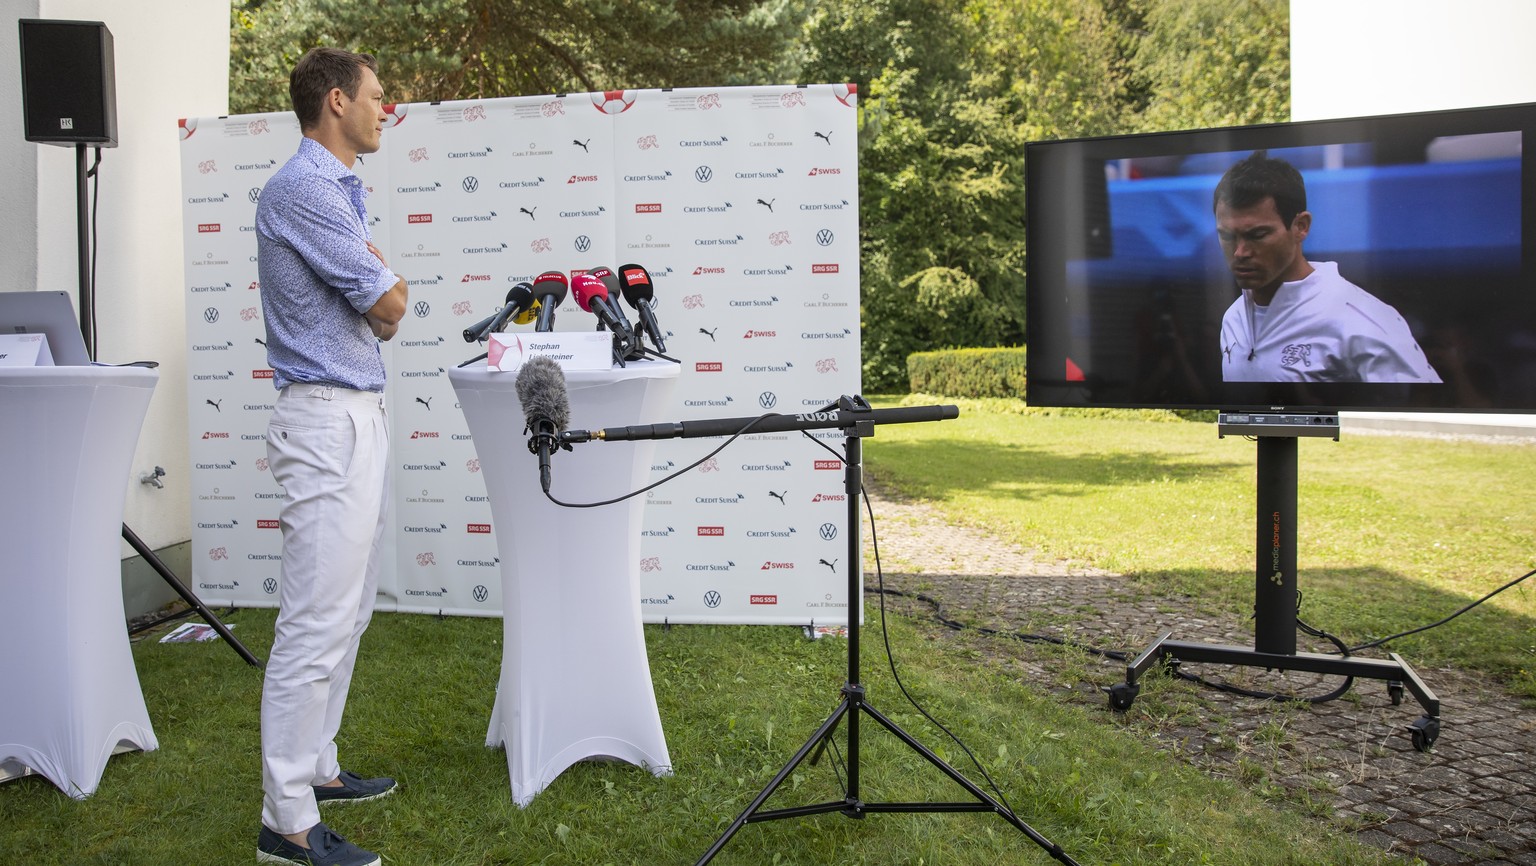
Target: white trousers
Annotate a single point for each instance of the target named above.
(329, 449)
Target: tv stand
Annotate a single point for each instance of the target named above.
(1275, 585)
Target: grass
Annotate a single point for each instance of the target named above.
(1395, 532)
(735, 702)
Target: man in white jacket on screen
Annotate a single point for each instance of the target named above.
(1298, 321)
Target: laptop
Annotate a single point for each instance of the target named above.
(46, 313)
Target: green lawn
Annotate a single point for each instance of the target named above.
(1396, 533)
(735, 702)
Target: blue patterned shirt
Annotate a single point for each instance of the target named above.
(317, 275)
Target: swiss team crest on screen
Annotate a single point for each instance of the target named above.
(1296, 354)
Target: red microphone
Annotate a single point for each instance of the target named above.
(592, 296)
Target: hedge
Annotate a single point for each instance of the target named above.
(968, 372)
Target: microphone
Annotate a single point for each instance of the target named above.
(611, 283)
(546, 409)
(519, 301)
(592, 296)
(640, 292)
(549, 288)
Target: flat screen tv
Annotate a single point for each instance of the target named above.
(1414, 289)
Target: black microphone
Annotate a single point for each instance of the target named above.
(592, 296)
(549, 288)
(635, 282)
(546, 409)
(611, 283)
(519, 301)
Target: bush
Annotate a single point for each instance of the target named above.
(968, 372)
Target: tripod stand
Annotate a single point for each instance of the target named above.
(857, 420)
(88, 333)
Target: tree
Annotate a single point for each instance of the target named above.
(1206, 63)
(950, 91)
(462, 49)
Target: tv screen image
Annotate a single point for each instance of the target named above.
(1399, 281)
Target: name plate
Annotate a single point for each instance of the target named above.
(25, 350)
(572, 350)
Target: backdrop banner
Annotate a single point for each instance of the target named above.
(742, 204)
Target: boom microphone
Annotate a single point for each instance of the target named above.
(635, 282)
(519, 301)
(546, 409)
(549, 289)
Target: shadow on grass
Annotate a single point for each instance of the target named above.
(1025, 473)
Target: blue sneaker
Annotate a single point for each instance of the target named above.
(325, 849)
(354, 789)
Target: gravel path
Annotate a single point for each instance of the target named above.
(1470, 800)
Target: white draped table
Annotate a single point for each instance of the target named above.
(575, 681)
(69, 694)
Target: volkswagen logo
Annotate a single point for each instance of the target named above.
(767, 399)
(481, 593)
(470, 184)
(711, 599)
(270, 585)
(423, 309)
(703, 174)
(828, 531)
(254, 195)
(211, 315)
(583, 243)
(824, 237)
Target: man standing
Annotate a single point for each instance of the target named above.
(328, 298)
(1298, 321)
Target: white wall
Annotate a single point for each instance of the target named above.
(1360, 57)
(172, 61)
(1364, 57)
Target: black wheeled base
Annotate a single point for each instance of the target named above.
(1397, 674)
(1275, 602)
(189, 597)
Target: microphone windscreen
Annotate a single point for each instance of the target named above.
(610, 281)
(550, 283)
(635, 283)
(541, 390)
(586, 288)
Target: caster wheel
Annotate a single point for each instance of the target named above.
(1122, 695)
(1424, 732)
(1395, 692)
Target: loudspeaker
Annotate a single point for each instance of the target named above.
(69, 95)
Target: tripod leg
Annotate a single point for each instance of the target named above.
(1050, 847)
(187, 595)
(817, 739)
